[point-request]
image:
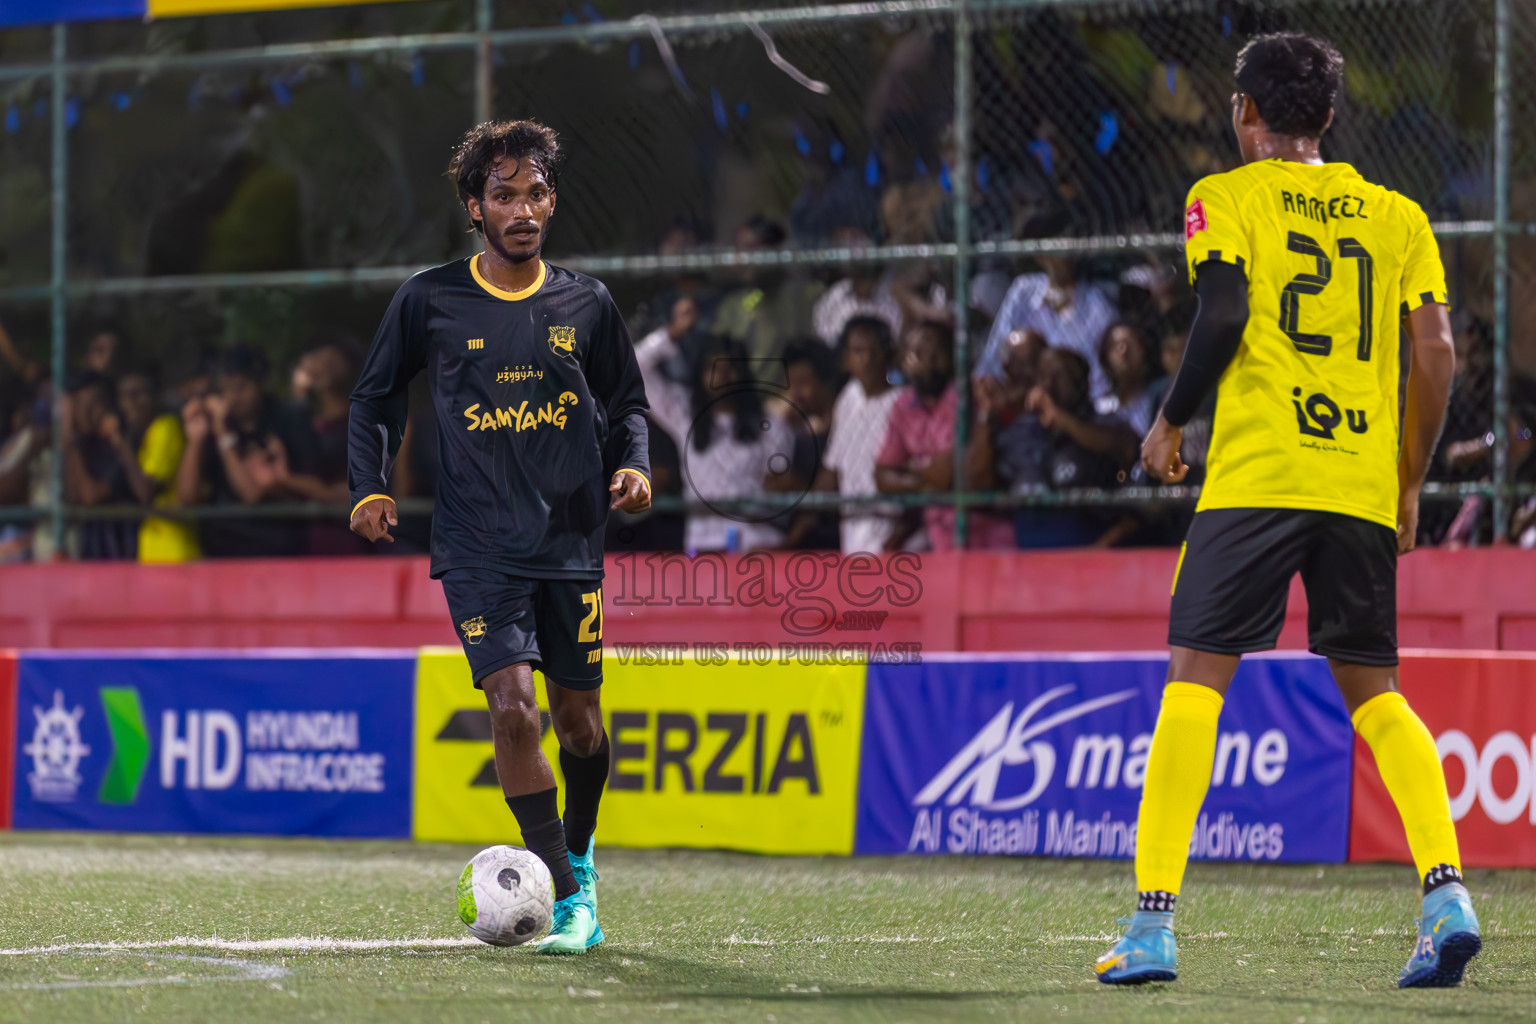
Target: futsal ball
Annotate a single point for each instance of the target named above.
(506, 896)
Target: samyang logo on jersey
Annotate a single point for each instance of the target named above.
(521, 417)
(1050, 759)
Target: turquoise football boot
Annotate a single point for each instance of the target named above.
(1448, 938)
(575, 928)
(1147, 952)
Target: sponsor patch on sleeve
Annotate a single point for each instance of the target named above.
(1194, 220)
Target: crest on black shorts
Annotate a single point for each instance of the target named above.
(562, 341)
(474, 629)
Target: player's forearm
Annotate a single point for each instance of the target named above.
(374, 432)
(1213, 339)
(1433, 356)
(633, 444)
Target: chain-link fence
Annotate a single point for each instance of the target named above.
(745, 182)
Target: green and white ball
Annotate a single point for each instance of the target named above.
(506, 896)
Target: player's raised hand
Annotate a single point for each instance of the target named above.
(631, 492)
(1160, 453)
(372, 519)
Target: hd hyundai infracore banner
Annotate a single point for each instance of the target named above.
(284, 744)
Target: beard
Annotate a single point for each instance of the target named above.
(931, 385)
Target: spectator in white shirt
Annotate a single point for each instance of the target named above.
(1066, 312)
(858, 430)
(730, 449)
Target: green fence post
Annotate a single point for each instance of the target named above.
(57, 280)
(1501, 494)
(960, 179)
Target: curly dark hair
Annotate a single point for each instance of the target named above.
(487, 144)
(1293, 78)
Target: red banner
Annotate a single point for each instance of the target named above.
(1481, 709)
(7, 734)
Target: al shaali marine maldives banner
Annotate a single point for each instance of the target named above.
(1047, 757)
(242, 742)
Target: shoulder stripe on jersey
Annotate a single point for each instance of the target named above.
(1426, 297)
(502, 293)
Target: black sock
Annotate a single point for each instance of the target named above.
(544, 836)
(1156, 900)
(585, 778)
(1440, 874)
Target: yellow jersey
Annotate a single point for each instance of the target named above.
(164, 540)
(1307, 411)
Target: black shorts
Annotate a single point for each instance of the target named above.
(1230, 588)
(554, 625)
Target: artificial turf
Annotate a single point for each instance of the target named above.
(109, 928)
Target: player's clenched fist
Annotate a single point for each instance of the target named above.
(372, 519)
(631, 492)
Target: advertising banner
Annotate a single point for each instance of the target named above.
(39, 12)
(7, 731)
(1047, 756)
(178, 8)
(726, 754)
(255, 742)
(1481, 710)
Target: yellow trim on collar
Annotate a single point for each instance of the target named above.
(637, 473)
(501, 293)
(371, 497)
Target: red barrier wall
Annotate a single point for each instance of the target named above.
(8, 713)
(980, 601)
(1481, 709)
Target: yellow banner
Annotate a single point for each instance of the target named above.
(735, 756)
(182, 8)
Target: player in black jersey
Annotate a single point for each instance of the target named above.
(541, 430)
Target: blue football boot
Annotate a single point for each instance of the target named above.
(1448, 938)
(1147, 952)
(574, 928)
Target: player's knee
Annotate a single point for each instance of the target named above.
(580, 728)
(515, 717)
(514, 711)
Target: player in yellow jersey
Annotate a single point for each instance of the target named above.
(1306, 273)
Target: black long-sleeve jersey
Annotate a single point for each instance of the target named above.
(538, 400)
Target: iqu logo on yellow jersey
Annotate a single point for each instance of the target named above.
(1320, 416)
(562, 341)
(521, 418)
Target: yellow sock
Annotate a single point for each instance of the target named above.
(1410, 766)
(1178, 774)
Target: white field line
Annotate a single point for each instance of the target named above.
(292, 944)
(243, 970)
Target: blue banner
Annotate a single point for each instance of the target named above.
(255, 742)
(1047, 757)
(37, 12)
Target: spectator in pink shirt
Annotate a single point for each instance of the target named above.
(918, 453)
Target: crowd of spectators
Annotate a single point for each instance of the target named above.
(216, 437)
(765, 387)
